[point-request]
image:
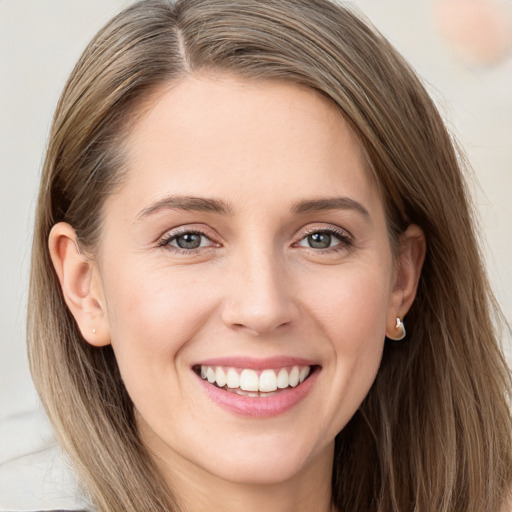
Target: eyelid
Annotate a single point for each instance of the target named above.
(324, 228)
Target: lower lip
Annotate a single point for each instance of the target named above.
(259, 407)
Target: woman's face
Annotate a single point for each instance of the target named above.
(248, 244)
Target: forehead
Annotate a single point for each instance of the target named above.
(222, 136)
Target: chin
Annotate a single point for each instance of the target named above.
(267, 462)
(259, 470)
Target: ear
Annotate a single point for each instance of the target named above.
(408, 270)
(80, 283)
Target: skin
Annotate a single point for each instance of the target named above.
(254, 288)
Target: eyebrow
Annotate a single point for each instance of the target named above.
(330, 203)
(192, 203)
(210, 205)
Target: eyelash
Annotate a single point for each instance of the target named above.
(346, 241)
(168, 238)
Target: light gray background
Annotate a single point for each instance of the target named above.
(40, 40)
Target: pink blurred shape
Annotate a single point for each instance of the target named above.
(479, 31)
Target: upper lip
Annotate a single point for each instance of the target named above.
(257, 363)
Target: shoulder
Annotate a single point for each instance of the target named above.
(35, 475)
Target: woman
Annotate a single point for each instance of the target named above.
(240, 203)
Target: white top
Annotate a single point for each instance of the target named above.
(35, 474)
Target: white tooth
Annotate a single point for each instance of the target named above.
(268, 381)
(252, 394)
(282, 379)
(249, 380)
(203, 372)
(220, 377)
(210, 375)
(233, 379)
(294, 376)
(304, 373)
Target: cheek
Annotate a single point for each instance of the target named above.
(352, 306)
(352, 314)
(151, 318)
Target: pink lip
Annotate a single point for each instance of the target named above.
(259, 407)
(257, 364)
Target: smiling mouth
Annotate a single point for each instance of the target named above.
(255, 383)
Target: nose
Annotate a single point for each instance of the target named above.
(258, 296)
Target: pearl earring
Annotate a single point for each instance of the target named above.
(400, 327)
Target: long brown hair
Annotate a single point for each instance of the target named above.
(434, 432)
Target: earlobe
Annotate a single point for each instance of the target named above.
(408, 270)
(80, 284)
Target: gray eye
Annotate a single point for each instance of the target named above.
(189, 241)
(320, 240)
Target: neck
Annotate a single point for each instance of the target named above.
(200, 491)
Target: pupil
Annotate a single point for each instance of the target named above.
(189, 241)
(319, 240)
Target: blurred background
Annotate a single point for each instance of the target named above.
(462, 49)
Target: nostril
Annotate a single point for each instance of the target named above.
(259, 327)
(258, 320)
